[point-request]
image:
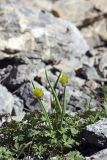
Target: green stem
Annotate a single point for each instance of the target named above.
(64, 105)
(55, 85)
(45, 113)
(59, 109)
(33, 85)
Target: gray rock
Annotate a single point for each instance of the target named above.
(46, 4)
(79, 99)
(103, 64)
(100, 4)
(101, 155)
(17, 112)
(50, 36)
(96, 134)
(91, 18)
(69, 10)
(90, 73)
(25, 92)
(18, 71)
(6, 101)
(5, 72)
(91, 36)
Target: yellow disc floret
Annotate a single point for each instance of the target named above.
(63, 79)
(38, 92)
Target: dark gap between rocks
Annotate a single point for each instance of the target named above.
(10, 61)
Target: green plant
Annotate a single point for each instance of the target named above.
(46, 135)
(75, 155)
(5, 154)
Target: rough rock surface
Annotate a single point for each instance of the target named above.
(96, 134)
(101, 155)
(91, 18)
(69, 10)
(6, 100)
(10, 105)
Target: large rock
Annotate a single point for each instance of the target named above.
(10, 106)
(96, 33)
(18, 70)
(18, 107)
(96, 134)
(46, 4)
(100, 4)
(6, 101)
(101, 155)
(26, 29)
(76, 11)
(90, 16)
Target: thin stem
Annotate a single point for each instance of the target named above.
(59, 109)
(33, 85)
(45, 113)
(64, 105)
(23, 148)
(55, 85)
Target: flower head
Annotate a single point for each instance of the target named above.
(38, 92)
(63, 79)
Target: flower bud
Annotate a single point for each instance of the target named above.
(38, 92)
(63, 79)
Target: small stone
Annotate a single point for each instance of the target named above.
(92, 84)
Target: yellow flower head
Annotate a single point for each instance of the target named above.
(63, 79)
(38, 92)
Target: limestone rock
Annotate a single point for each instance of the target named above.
(6, 101)
(26, 29)
(74, 10)
(96, 134)
(100, 4)
(46, 4)
(101, 155)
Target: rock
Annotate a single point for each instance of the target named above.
(90, 73)
(17, 112)
(18, 70)
(46, 4)
(91, 36)
(96, 134)
(25, 92)
(5, 73)
(10, 106)
(6, 101)
(101, 155)
(101, 30)
(90, 19)
(77, 99)
(92, 84)
(48, 35)
(69, 66)
(69, 10)
(103, 65)
(100, 5)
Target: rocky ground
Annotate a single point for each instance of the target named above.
(60, 35)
